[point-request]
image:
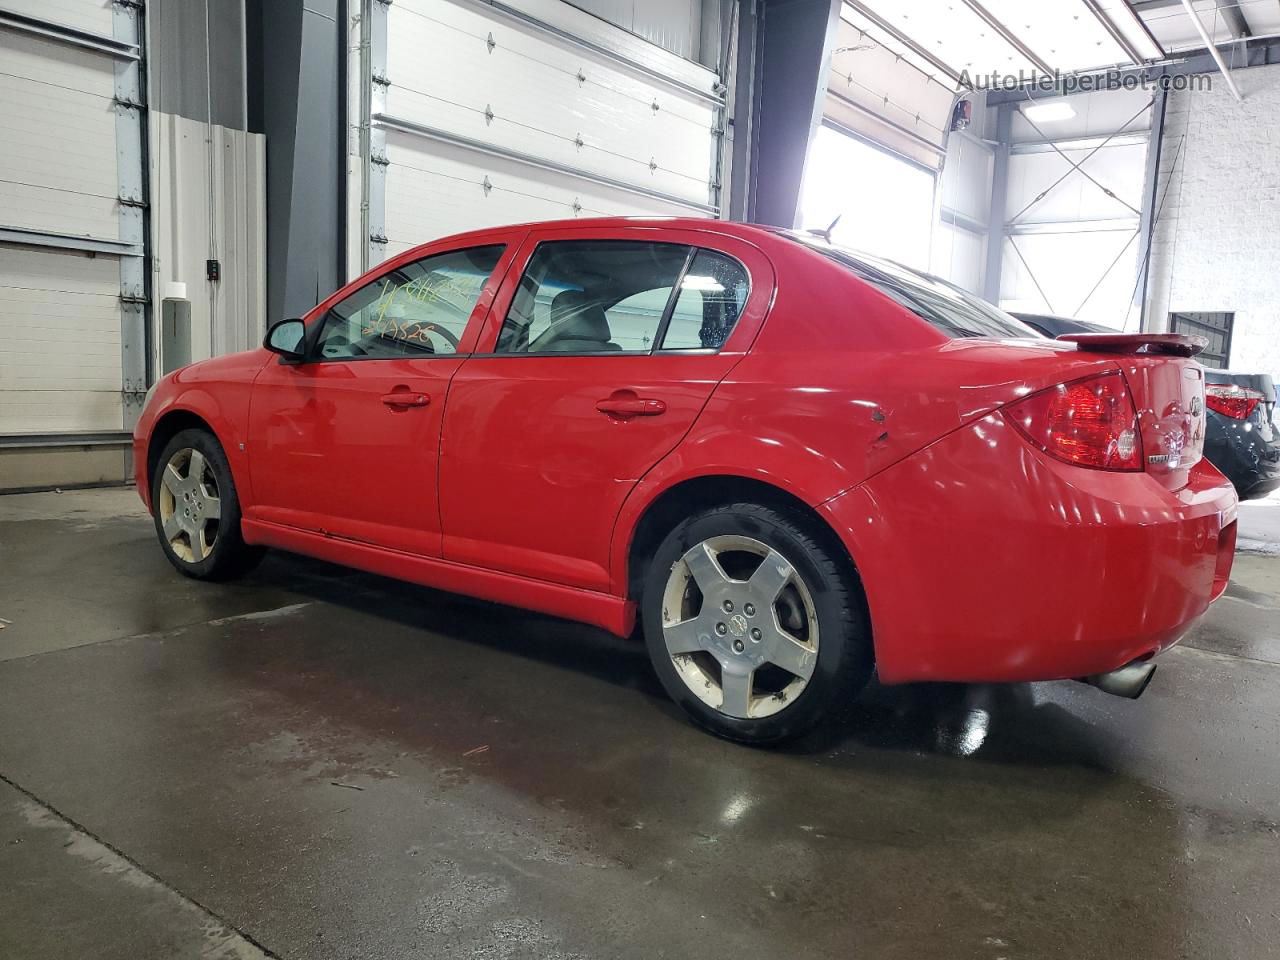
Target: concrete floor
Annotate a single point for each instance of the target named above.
(317, 763)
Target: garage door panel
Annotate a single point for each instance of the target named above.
(597, 30)
(541, 95)
(418, 25)
(547, 72)
(60, 322)
(61, 411)
(93, 16)
(438, 189)
(60, 141)
(53, 271)
(82, 365)
(58, 169)
(58, 211)
(62, 367)
(57, 64)
(590, 158)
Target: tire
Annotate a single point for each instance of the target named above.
(743, 554)
(198, 521)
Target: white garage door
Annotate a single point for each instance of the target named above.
(872, 167)
(487, 114)
(71, 221)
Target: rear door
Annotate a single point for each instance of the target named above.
(596, 364)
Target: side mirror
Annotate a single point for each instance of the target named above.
(286, 338)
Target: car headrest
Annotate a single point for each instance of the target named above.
(576, 315)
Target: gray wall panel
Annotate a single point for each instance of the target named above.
(180, 83)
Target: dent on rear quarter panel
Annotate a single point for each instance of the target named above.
(843, 382)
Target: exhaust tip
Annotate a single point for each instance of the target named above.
(1129, 681)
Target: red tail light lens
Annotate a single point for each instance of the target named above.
(1232, 401)
(1090, 422)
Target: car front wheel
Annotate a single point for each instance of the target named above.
(196, 510)
(755, 625)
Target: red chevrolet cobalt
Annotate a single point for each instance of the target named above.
(787, 463)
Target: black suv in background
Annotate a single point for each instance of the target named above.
(1241, 438)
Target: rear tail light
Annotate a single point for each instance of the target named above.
(1090, 422)
(1232, 401)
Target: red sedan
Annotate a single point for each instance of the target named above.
(789, 464)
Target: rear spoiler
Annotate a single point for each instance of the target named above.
(1177, 344)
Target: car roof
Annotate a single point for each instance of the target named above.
(728, 228)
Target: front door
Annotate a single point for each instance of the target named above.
(600, 360)
(347, 442)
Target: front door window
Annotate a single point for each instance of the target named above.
(416, 310)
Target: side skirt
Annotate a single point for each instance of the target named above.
(598, 609)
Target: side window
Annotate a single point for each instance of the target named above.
(592, 296)
(419, 309)
(712, 295)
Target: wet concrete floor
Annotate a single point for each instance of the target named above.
(312, 762)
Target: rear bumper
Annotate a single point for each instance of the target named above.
(986, 561)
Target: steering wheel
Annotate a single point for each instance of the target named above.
(435, 330)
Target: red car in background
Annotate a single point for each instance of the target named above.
(789, 464)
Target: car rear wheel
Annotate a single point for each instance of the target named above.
(755, 626)
(196, 510)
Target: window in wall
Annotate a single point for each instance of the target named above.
(418, 309)
(885, 204)
(1215, 327)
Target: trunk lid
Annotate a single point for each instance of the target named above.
(1168, 392)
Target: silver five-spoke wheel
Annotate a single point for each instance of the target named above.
(189, 505)
(740, 626)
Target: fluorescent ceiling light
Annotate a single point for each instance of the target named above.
(693, 282)
(1045, 112)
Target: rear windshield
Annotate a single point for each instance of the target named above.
(948, 308)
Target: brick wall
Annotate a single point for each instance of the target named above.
(1217, 243)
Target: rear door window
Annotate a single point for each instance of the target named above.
(712, 294)
(623, 296)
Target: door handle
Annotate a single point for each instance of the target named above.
(628, 406)
(402, 398)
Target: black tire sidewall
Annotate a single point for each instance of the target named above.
(229, 548)
(844, 649)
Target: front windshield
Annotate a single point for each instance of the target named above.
(943, 305)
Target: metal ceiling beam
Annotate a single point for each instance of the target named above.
(1150, 200)
(1213, 50)
(1007, 35)
(1130, 8)
(882, 24)
(994, 266)
(1258, 52)
(1130, 51)
(1233, 16)
(1232, 13)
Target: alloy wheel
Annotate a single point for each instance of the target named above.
(189, 505)
(740, 626)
